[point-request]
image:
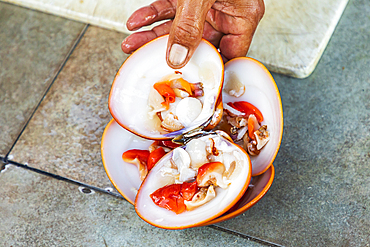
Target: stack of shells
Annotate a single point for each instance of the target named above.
(244, 179)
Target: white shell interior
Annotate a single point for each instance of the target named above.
(124, 176)
(164, 218)
(128, 100)
(262, 92)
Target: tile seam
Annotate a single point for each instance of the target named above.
(54, 77)
(245, 236)
(61, 178)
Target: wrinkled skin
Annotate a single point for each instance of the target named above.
(227, 24)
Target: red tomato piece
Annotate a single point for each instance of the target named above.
(169, 197)
(208, 168)
(166, 91)
(154, 157)
(132, 154)
(170, 144)
(247, 108)
(172, 196)
(188, 190)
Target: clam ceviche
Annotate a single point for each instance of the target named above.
(194, 183)
(184, 144)
(175, 102)
(156, 102)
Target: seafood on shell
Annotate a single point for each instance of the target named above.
(138, 89)
(220, 179)
(209, 164)
(247, 80)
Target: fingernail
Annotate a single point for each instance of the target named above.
(178, 54)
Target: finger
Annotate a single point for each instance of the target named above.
(212, 35)
(232, 46)
(157, 11)
(237, 42)
(186, 31)
(239, 26)
(136, 40)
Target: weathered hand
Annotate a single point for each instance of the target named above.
(227, 24)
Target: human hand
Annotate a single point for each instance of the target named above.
(228, 24)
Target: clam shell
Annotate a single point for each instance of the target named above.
(126, 93)
(128, 99)
(261, 91)
(224, 200)
(125, 177)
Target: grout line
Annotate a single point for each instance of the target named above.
(82, 33)
(242, 235)
(61, 178)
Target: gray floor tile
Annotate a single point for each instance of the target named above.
(320, 196)
(37, 210)
(33, 45)
(64, 135)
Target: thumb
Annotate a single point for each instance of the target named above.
(186, 31)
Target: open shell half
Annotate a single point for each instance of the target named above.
(132, 86)
(128, 104)
(260, 90)
(125, 177)
(229, 188)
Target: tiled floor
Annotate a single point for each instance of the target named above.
(70, 121)
(320, 196)
(33, 46)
